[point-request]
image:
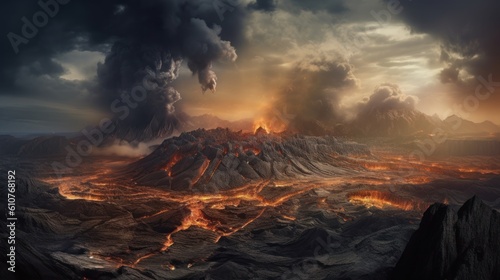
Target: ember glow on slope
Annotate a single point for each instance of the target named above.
(272, 39)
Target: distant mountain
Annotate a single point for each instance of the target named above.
(44, 146)
(162, 127)
(395, 122)
(49, 145)
(458, 125)
(159, 126)
(406, 122)
(10, 145)
(208, 121)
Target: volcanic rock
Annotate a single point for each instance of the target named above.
(450, 245)
(221, 159)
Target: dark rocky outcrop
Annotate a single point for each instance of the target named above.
(453, 245)
(222, 159)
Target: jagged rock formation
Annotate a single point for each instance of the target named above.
(450, 245)
(222, 159)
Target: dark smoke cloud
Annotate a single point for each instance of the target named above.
(163, 34)
(125, 68)
(332, 6)
(386, 97)
(314, 92)
(139, 37)
(203, 45)
(264, 5)
(449, 75)
(467, 29)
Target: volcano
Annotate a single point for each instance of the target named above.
(223, 204)
(222, 159)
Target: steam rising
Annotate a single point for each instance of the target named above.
(125, 149)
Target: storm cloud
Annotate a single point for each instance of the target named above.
(467, 31)
(139, 38)
(264, 5)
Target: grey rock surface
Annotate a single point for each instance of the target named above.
(454, 245)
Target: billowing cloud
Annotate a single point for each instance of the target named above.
(274, 41)
(139, 38)
(467, 33)
(386, 97)
(313, 94)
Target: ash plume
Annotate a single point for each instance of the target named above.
(386, 97)
(139, 38)
(313, 95)
(390, 112)
(164, 34)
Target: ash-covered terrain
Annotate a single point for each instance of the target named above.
(218, 204)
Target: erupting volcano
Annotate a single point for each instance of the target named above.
(250, 139)
(213, 202)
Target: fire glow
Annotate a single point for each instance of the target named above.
(209, 211)
(269, 126)
(381, 199)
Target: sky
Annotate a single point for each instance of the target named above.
(243, 58)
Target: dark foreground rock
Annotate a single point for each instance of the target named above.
(451, 245)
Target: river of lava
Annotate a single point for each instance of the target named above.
(387, 170)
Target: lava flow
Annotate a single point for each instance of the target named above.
(382, 199)
(268, 126)
(254, 176)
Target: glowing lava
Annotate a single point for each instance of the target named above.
(212, 211)
(381, 199)
(269, 126)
